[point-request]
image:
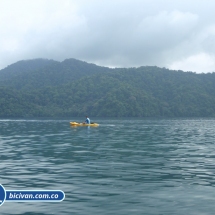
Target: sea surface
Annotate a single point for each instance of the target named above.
(124, 166)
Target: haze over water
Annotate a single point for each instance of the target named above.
(124, 166)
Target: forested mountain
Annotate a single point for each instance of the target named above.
(76, 88)
(39, 73)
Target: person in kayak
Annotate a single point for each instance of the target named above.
(87, 121)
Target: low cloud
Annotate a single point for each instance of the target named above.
(201, 62)
(121, 33)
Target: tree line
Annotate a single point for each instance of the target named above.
(46, 88)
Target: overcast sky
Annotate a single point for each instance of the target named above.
(176, 34)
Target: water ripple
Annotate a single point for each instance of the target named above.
(155, 166)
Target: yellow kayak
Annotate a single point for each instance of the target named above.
(83, 124)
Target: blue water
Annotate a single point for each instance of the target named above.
(124, 166)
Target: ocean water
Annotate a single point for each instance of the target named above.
(124, 166)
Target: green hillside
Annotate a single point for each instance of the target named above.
(39, 73)
(76, 88)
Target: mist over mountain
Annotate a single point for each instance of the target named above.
(48, 88)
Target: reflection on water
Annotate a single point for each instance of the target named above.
(136, 166)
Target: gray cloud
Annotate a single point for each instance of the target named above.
(123, 33)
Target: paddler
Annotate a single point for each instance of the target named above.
(87, 121)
